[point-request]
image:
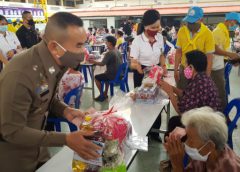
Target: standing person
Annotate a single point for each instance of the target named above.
(112, 59)
(9, 44)
(222, 41)
(194, 35)
(147, 48)
(112, 30)
(27, 96)
(127, 28)
(27, 34)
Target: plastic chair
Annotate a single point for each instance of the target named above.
(232, 124)
(57, 124)
(120, 79)
(228, 68)
(124, 52)
(83, 70)
(57, 121)
(74, 92)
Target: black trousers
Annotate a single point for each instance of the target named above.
(137, 78)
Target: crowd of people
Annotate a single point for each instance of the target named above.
(36, 67)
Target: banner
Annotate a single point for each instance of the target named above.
(15, 12)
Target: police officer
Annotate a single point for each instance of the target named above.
(27, 95)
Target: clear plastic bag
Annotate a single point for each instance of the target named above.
(137, 142)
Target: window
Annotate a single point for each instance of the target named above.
(98, 23)
(79, 1)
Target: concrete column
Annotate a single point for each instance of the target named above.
(110, 22)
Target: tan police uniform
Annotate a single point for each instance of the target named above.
(27, 94)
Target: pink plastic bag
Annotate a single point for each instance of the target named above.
(111, 126)
(156, 73)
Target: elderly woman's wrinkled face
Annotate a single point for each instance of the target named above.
(194, 141)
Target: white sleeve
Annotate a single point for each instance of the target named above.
(135, 49)
(169, 44)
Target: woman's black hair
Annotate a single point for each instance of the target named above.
(149, 17)
(198, 60)
(3, 18)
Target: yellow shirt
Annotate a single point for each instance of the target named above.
(203, 40)
(119, 41)
(17, 26)
(11, 28)
(222, 40)
(221, 36)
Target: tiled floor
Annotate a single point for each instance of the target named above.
(149, 161)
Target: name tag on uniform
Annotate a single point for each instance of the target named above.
(42, 90)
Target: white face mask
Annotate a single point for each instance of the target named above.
(194, 153)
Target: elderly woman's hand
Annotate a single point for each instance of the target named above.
(176, 153)
(166, 87)
(178, 133)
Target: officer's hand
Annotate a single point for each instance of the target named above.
(72, 114)
(85, 148)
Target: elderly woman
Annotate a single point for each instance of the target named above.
(206, 144)
(200, 91)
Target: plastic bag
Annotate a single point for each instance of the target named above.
(120, 101)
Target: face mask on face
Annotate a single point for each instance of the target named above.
(31, 22)
(194, 153)
(151, 33)
(188, 72)
(233, 28)
(3, 28)
(70, 59)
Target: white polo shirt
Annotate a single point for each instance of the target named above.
(144, 53)
(8, 43)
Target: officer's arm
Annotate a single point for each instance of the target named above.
(57, 107)
(15, 104)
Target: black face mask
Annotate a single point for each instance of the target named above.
(193, 27)
(31, 22)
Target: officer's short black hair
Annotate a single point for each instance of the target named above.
(198, 60)
(58, 23)
(25, 13)
(112, 40)
(3, 18)
(64, 19)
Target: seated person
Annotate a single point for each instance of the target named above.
(120, 39)
(70, 80)
(206, 144)
(112, 59)
(200, 91)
